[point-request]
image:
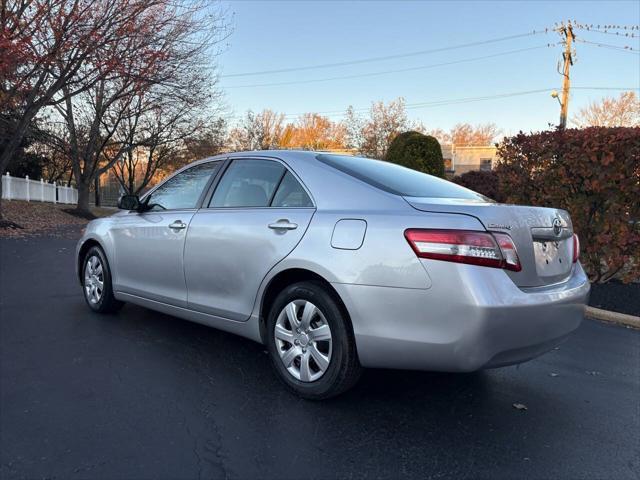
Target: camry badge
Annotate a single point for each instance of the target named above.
(500, 226)
(557, 226)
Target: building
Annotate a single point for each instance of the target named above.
(459, 160)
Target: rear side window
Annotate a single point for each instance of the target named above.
(248, 183)
(396, 179)
(291, 194)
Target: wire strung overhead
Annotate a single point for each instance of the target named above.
(385, 72)
(454, 101)
(625, 48)
(609, 29)
(385, 57)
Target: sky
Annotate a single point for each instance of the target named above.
(277, 35)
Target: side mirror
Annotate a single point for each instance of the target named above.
(129, 202)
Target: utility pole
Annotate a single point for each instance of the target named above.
(567, 32)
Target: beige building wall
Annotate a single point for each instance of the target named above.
(459, 160)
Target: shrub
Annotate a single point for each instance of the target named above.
(417, 151)
(594, 173)
(486, 183)
(26, 163)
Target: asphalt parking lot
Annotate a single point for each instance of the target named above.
(145, 395)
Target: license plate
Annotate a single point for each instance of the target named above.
(552, 257)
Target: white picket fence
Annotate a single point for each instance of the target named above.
(15, 188)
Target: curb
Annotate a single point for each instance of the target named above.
(615, 317)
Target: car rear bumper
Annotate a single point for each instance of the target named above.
(475, 318)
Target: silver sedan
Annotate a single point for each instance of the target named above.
(336, 263)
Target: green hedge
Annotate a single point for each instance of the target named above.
(417, 151)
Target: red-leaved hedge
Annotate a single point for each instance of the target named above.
(486, 183)
(594, 173)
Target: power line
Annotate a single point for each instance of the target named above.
(503, 95)
(604, 28)
(611, 47)
(606, 88)
(385, 72)
(455, 101)
(383, 58)
(607, 32)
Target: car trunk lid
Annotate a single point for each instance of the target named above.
(543, 236)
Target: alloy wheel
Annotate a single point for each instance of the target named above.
(93, 279)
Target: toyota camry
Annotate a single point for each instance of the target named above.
(337, 262)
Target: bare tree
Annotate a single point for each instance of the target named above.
(623, 111)
(353, 124)
(154, 135)
(210, 140)
(442, 136)
(55, 150)
(373, 135)
(262, 131)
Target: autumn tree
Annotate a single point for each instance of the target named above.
(314, 132)
(53, 50)
(465, 134)
(623, 111)
(163, 49)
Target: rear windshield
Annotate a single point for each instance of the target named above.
(398, 180)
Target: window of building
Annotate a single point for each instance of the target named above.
(485, 164)
(448, 164)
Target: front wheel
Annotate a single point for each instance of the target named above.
(96, 282)
(310, 342)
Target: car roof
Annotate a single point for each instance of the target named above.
(286, 155)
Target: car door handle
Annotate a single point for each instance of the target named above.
(283, 225)
(177, 225)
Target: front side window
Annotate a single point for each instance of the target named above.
(183, 190)
(248, 183)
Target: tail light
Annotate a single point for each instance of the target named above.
(576, 248)
(464, 246)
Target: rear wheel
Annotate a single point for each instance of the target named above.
(96, 282)
(310, 342)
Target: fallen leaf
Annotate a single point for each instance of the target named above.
(553, 374)
(520, 406)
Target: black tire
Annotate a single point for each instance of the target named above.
(344, 368)
(107, 303)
